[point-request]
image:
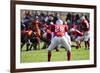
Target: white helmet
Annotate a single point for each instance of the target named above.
(82, 18)
(59, 21)
(51, 23)
(65, 22)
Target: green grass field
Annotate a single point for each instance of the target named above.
(41, 55)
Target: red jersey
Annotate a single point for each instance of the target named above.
(36, 26)
(85, 25)
(59, 30)
(47, 30)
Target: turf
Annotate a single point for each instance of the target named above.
(41, 55)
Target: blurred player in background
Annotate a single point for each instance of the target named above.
(76, 36)
(85, 27)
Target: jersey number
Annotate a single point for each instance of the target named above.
(59, 29)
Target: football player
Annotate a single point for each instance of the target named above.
(77, 36)
(59, 30)
(85, 26)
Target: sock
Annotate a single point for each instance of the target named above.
(27, 47)
(88, 44)
(49, 56)
(68, 56)
(79, 45)
(85, 44)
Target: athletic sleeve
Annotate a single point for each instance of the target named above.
(66, 28)
(52, 28)
(79, 33)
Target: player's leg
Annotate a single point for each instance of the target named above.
(86, 40)
(67, 45)
(31, 43)
(27, 44)
(23, 42)
(51, 46)
(78, 43)
(68, 38)
(68, 55)
(87, 44)
(31, 46)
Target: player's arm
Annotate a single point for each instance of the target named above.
(66, 28)
(52, 31)
(78, 32)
